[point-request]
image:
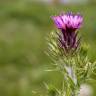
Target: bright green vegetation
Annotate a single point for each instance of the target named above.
(23, 28)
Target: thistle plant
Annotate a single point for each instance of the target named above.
(69, 55)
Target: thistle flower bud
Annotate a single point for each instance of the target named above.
(68, 24)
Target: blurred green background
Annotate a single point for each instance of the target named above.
(24, 26)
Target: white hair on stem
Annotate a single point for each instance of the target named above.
(85, 90)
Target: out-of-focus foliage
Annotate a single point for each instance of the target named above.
(23, 28)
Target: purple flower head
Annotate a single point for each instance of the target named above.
(68, 21)
(68, 24)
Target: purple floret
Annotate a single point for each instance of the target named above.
(68, 20)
